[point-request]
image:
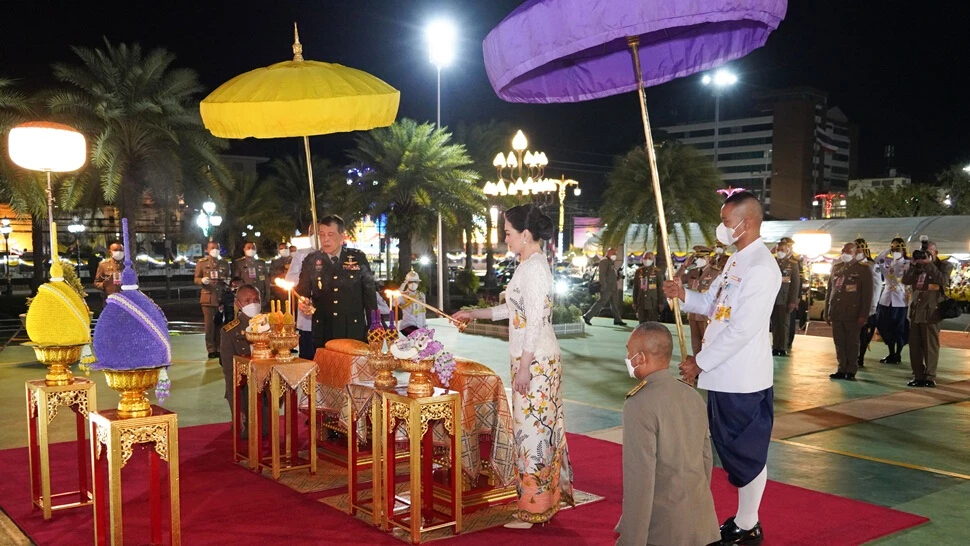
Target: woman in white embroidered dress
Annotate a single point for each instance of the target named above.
(544, 474)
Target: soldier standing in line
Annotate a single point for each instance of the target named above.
(928, 276)
(863, 256)
(803, 306)
(212, 275)
(894, 301)
(340, 284)
(648, 298)
(252, 270)
(847, 302)
(108, 277)
(786, 301)
(697, 273)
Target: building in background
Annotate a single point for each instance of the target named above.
(857, 186)
(798, 147)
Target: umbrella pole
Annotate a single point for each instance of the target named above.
(314, 240)
(634, 42)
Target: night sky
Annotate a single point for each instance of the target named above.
(897, 69)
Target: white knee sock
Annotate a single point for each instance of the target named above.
(749, 499)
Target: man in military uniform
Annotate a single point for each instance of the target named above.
(928, 276)
(847, 302)
(610, 290)
(340, 284)
(108, 277)
(697, 274)
(863, 256)
(894, 301)
(252, 270)
(648, 298)
(212, 275)
(233, 341)
(277, 270)
(786, 301)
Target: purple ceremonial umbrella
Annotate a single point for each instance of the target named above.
(550, 51)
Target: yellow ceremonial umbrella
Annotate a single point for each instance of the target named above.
(299, 98)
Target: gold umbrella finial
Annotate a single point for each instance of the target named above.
(297, 46)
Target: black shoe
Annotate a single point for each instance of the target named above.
(842, 375)
(213, 355)
(782, 353)
(917, 383)
(732, 534)
(619, 323)
(586, 320)
(887, 360)
(218, 354)
(929, 383)
(896, 359)
(774, 352)
(861, 363)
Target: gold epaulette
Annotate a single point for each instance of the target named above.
(230, 325)
(637, 388)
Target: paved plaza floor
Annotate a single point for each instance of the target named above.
(874, 439)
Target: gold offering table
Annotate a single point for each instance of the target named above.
(43, 402)
(119, 438)
(286, 379)
(417, 415)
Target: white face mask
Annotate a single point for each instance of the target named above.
(781, 254)
(846, 258)
(285, 253)
(412, 287)
(214, 253)
(613, 257)
(249, 253)
(701, 262)
(860, 256)
(648, 263)
(897, 255)
(118, 255)
(726, 235)
(630, 367)
(251, 309)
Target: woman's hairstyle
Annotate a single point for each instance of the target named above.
(529, 217)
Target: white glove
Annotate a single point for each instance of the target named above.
(206, 280)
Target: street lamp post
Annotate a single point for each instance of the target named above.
(208, 219)
(721, 79)
(6, 229)
(441, 36)
(77, 228)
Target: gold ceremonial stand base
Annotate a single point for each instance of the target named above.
(43, 400)
(417, 512)
(119, 437)
(132, 385)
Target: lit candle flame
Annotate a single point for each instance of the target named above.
(285, 285)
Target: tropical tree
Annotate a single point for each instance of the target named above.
(955, 182)
(688, 184)
(257, 203)
(420, 174)
(288, 175)
(483, 141)
(895, 202)
(141, 117)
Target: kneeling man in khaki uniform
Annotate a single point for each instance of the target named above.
(667, 457)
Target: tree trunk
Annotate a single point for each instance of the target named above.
(469, 248)
(489, 255)
(403, 254)
(37, 229)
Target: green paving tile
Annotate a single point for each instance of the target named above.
(582, 419)
(947, 510)
(934, 437)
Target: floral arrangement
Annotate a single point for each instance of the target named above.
(421, 345)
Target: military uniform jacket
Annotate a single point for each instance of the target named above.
(667, 463)
(928, 282)
(849, 292)
(233, 341)
(791, 281)
(607, 274)
(254, 272)
(343, 293)
(699, 280)
(217, 270)
(108, 277)
(648, 287)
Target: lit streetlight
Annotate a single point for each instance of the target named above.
(208, 219)
(720, 80)
(77, 228)
(6, 229)
(441, 36)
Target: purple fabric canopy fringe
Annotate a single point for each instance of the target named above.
(549, 51)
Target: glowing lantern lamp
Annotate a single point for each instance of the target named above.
(49, 147)
(812, 244)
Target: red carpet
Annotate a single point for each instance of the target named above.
(222, 503)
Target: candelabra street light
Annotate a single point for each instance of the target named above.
(442, 37)
(208, 219)
(77, 228)
(562, 185)
(6, 229)
(721, 80)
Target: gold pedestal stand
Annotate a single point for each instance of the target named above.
(260, 349)
(282, 344)
(132, 385)
(419, 384)
(58, 359)
(43, 400)
(119, 437)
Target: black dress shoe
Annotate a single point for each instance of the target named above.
(862, 362)
(213, 355)
(782, 353)
(774, 352)
(586, 320)
(887, 360)
(916, 383)
(619, 323)
(929, 383)
(838, 375)
(732, 534)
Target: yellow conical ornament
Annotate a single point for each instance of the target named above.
(57, 315)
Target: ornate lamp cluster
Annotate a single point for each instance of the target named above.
(520, 162)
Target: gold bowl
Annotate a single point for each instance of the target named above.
(58, 359)
(283, 343)
(260, 349)
(132, 385)
(419, 384)
(384, 364)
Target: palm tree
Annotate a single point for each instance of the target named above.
(254, 203)
(420, 174)
(483, 141)
(688, 181)
(141, 117)
(334, 196)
